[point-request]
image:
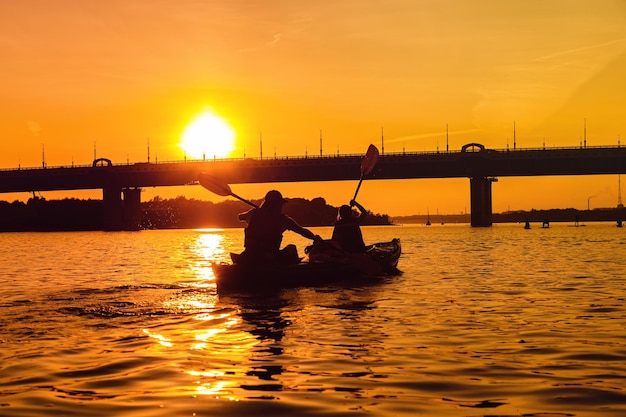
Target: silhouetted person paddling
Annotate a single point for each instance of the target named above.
(264, 233)
(347, 232)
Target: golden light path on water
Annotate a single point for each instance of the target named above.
(234, 346)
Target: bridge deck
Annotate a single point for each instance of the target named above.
(470, 162)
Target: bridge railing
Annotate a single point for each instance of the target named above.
(507, 150)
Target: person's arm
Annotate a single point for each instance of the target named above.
(245, 217)
(360, 207)
(302, 231)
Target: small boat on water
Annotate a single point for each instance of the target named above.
(323, 265)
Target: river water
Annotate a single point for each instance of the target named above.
(482, 322)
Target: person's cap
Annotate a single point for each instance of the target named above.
(274, 196)
(345, 210)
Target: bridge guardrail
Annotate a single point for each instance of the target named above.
(508, 151)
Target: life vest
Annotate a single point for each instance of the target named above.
(348, 234)
(264, 231)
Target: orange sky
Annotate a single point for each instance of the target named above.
(118, 73)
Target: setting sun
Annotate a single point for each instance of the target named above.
(208, 136)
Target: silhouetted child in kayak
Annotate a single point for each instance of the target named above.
(264, 233)
(347, 232)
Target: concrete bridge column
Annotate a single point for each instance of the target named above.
(481, 204)
(118, 213)
(112, 208)
(132, 208)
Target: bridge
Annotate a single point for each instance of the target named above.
(122, 183)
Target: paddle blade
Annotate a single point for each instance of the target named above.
(371, 157)
(215, 185)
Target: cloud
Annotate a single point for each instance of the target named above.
(267, 45)
(432, 135)
(275, 39)
(581, 49)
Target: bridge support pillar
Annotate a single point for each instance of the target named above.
(112, 207)
(132, 208)
(480, 201)
(118, 213)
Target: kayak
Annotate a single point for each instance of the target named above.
(324, 264)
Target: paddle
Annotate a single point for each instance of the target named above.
(367, 165)
(357, 260)
(219, 187)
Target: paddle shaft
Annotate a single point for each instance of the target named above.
(244, 200)
(358, 187)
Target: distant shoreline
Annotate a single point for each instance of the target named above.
(533, 216)
(39, 214)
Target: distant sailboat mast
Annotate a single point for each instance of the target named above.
(619, 192)
(620, 205)
(619, 183)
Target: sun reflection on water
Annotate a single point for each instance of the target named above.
(219, 389)
(209, 345)
(223, 343)
(223, 348)
(162, 340)
(210, 333)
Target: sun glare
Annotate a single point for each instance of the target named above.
(208, 136)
